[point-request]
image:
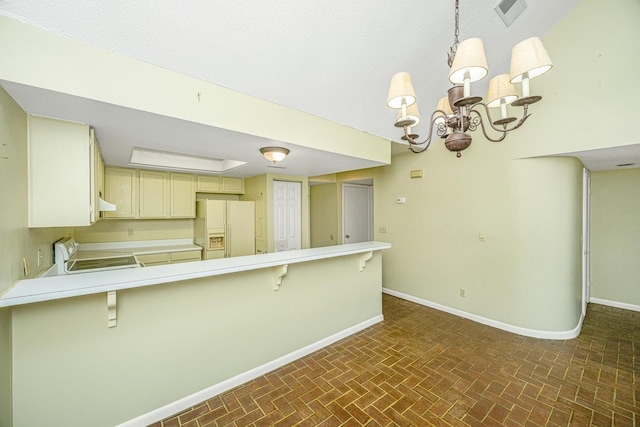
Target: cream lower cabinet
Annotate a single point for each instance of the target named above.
(168, 258)
(147, 194)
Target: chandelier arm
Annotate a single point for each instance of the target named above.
(413, 150)
(525, 116)
(429, 138)
(484, 130)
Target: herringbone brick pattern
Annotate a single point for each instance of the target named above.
(422, 367)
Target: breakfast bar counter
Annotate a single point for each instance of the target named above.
(131, 347)
(72, 285)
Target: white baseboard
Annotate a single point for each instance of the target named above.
(616, 304)
(200, 396)
(534, 333)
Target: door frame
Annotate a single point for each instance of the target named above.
(370, 208)
(586, 239)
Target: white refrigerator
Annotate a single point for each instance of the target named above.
(225, 228)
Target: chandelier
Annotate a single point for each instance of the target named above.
(459, 112)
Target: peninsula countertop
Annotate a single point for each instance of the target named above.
(71, 285)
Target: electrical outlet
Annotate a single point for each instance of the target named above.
(463, 292)
(39, 257)
(130, 231)
(383, 229)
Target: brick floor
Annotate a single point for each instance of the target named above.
(422, 367)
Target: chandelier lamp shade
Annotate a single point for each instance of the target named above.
(274, 154)
(459, 112)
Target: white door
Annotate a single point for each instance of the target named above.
(357, 213)
(287, 216)
(586, 239)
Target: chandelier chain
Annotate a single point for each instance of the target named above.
(456, 41)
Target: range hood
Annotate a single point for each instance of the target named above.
(103, 205)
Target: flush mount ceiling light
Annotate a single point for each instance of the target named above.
(274, 154)
(459, 112)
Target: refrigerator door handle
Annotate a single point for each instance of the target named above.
(228, 245)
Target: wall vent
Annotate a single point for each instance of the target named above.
(509, 10)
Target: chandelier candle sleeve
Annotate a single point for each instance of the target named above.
(412, 114)
(501, 92)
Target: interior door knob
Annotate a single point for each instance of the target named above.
(347, 236)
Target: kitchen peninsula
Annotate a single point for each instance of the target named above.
(136, 345)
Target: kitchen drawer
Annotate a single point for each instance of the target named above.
(184, 256)
(153, 259)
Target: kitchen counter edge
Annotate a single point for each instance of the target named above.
(41, 289)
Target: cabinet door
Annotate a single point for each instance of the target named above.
(153, 259)
(59, 168)
(187, 256)
(208, 184)
(183, 196)
(154, 194)
(216, 216)
(121, 189)
(97, 178)
(232, 185)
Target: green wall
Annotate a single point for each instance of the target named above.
(17, 240)
(527, 272)
(615, 236)
(90, 72)
(324, 215)
(177, 339)
(529, 212)
(593, 51)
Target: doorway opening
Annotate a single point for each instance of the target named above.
(357, 211)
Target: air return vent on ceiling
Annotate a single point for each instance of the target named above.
(509, 10)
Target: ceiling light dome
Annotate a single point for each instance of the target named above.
(274, 154)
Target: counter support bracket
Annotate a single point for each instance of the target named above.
(364, 258)
(279, 272)
(112, 313)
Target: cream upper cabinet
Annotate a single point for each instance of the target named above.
(150, 194)
(231, 185)
(61, 173)
(97, 178)
(208, 184)
(121, 189)
(217, 184)
(154, 194)
(182, 200)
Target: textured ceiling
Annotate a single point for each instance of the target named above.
(333, 58)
